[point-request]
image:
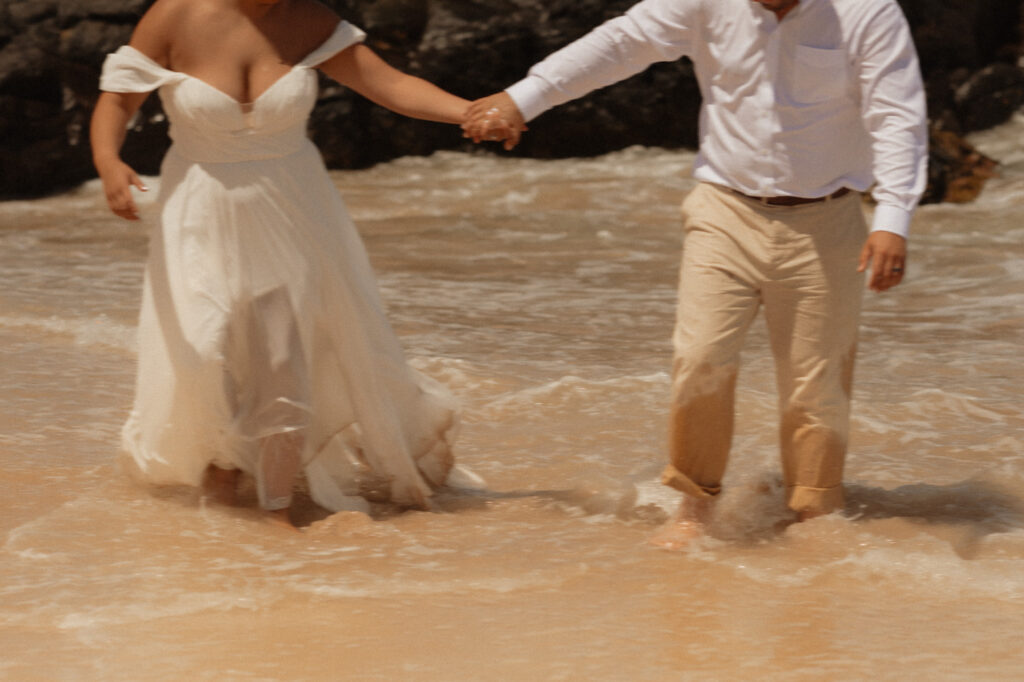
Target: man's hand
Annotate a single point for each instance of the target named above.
(886, 253)
(494, 118)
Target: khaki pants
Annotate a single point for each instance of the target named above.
(800, 262)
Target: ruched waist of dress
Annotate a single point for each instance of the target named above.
(239, 146)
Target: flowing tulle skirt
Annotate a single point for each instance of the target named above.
(261, 317)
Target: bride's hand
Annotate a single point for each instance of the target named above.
(494, 118)
(118, 179)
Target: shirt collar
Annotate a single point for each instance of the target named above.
(764, 15)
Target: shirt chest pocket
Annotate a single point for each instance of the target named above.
(819, 74)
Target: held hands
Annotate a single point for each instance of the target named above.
(118, 179)
(494, 118)
(886, 253)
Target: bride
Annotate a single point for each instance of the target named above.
(263, 345)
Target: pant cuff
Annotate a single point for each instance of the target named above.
(815, 500)
(676, 479)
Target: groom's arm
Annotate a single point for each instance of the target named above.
(651, 31)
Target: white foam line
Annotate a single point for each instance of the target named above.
(499, 585)
(184, 604)
(574, 383)
(97, 331)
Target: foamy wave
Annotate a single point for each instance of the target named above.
(896, 553)
(458, 375)
(390, 588)
(87, 196)
(1002, 142)
(97, 331)
(939, 570)
(930, 401)
(479, 184)
(576, 391)
(182, 605)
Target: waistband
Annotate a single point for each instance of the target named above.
(239, 147)
(794, 201)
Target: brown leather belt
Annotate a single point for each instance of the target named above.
(794, 201)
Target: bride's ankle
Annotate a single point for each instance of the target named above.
(221, 484)
(280, 517)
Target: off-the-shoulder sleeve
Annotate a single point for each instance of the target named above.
(128, 70)
(345, 35)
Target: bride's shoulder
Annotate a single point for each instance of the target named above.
(155, 32)
(167, 22)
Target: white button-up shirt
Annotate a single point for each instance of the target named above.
(829, 97)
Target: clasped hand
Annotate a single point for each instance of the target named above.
(494, 118)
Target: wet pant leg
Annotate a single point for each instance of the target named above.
(812, 309)
(719, 296)
(800, 262)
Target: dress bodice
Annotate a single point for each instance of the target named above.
(208, 125)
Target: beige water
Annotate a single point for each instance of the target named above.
(542, 292)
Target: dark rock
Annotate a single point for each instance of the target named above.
(7, 29)
(956, 171)
(25, 12)
(27, 64)
(954, 34)
(990, 96)
(89, 41)
(121, 11)
(395, 22)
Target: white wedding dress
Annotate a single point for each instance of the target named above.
(261, 325)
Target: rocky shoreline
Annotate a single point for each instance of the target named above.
(51, 52)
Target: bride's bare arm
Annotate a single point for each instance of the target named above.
(106, 134)
(114, 110)
(359, 68)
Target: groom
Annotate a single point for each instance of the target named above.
(806, 104)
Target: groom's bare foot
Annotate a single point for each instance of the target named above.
(222, 484)
(807, 515)
(690, 524)
(677, 534)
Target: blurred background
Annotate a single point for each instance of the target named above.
(51, 52)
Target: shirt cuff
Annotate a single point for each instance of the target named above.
(528, 94)
(893, 219)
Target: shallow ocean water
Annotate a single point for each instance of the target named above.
(542, 293)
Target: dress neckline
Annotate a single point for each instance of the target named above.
(247, 106)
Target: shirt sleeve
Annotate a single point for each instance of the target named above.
(894, 112)
(651, 31)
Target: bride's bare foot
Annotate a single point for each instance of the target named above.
(282, 518)
(222, 484)
(690, 524)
